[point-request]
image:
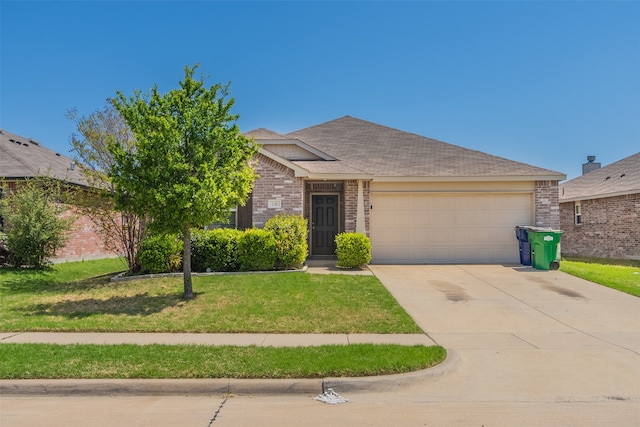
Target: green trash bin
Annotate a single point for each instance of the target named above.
(544, 248)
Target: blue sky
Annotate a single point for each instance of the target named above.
(541, 82)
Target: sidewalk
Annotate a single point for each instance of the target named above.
(265, 340)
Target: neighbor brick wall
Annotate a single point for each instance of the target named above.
(546, 204)
(351, 204)
(276, 182)
(84, 241)
(610, 228)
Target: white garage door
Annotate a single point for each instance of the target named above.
(448, 228)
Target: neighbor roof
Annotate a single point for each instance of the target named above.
(21, 157)
(617, 179)
(385, 153)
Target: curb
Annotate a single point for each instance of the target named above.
(221, 386)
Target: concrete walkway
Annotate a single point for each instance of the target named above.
(265, 340)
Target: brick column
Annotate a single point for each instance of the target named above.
(547, 209)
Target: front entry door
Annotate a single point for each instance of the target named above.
(324, 224)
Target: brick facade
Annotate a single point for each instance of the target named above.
(610, 228)
(84, 241)
(276, 183)
(351, 205)
(547, 210)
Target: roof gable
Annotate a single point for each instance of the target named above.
(616, 179)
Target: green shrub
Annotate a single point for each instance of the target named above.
(256, 250)
(290, 232)
(215, 249)
(161, 253)
(353, 250)
(34, 228)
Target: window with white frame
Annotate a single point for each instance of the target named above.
(578, 213)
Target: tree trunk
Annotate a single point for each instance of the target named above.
(186, 263)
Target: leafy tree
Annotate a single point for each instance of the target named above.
(122, 232)
(32, 223)
(191, 163)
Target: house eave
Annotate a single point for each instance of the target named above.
(340, 176)
(503, 178)
(297, 142)
(598, 196)
(297, 170)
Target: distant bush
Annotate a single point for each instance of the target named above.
(256, 250)
(34, 228)
(290, 233)
(215, 249)
(353, 250)
(161, 253)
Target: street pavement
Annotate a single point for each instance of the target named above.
(526, 348)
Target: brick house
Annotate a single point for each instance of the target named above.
(23, 158)
(600, 211)
(419, 200)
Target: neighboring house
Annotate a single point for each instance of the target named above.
(23, 158)
(600, 211)
(419, 200)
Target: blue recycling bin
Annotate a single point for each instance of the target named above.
(523, 243)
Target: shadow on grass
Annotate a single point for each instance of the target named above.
(35, 281)
(136, 305)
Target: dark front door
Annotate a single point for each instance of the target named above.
(324, 224)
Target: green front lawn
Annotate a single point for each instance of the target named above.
(623, 275)
(80, 297)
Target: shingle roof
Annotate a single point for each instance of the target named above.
(386, 152)
(22, 157)
(619, 178)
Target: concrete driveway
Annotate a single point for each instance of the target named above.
(520, 334)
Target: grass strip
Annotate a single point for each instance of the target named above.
(624, 278)
(53, 361)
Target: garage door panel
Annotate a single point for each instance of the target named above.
(442, 228)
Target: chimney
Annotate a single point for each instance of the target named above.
(590, 165)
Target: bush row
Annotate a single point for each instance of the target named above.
(282, 244)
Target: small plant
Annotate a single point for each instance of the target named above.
(256, 250)
(353, 250)
(215, 249)
(290, 233)
(161, 253)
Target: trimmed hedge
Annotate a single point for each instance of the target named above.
(256, 250)
(161, 253)
(215, 250)
(353, 250)
(290, 233)
(282, 244)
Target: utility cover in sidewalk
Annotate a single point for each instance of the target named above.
(331, 397)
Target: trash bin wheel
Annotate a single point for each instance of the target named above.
(554, 265)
